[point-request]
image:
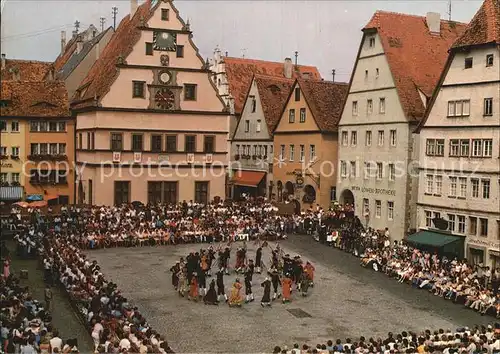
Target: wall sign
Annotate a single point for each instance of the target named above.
(479, 242)
(374, 190)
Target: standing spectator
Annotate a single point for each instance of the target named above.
(48, 298)
(55, 342)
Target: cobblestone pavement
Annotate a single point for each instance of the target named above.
(347, 301)
(63, 316)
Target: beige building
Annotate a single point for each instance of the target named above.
(460, 142)
(150, 124)
(305, 144)
(399, 61)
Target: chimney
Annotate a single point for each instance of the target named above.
(433, 20)
(227, 53)
(63, 41)
(133, 7)
(79, 45)
(288, 68)
(3, 61)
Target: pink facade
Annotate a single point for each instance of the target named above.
(158, 131)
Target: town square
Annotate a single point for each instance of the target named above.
(250, 177)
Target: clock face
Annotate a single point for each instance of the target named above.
(165, 41)
(164, 77)
(165, 99)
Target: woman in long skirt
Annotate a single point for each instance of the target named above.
(211, 297)
(266, 298)
(236, 299)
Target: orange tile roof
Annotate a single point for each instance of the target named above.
(104, 72)
(34, 99)
(240, 72)
(29, 70)
(484, 27)
(62, 58)
(325, 100)
(273, 93)
(416, 57)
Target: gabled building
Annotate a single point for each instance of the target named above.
(252, 143)
(305, 144)
(460, 142)
(399, 63)
(150, 124)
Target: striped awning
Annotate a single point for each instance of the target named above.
(11, 193)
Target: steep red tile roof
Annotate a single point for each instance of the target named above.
(273, 93)
(104, 72)
(240, 72)
(34, 99)
(62, 58)
(29, 70)
(484, 27)
(325, 100)
(416, 57)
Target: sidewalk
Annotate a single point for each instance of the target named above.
(63, 316)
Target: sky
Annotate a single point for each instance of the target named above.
(325, 33)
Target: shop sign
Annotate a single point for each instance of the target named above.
(373, 190)
(484, 243)
(6, 164)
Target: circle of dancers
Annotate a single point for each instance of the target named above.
(190, 273)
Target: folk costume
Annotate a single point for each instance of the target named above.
(193, 288)
(304, 284)
(286, 288)
(258, 260)
(202, 283)
(183, 287)
(248, 286)
(275, 280)
(236, 299)
(211, 297)
(309, 270)
(175, 274)
(266, 298)
(220, 285)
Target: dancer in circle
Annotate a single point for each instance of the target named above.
(175, 269)
(211, 297)
(236, 299)
(248, 286)
(193, 288)
(220, 285)
(275, 280)
(266, 298)
(286, 288)
(258, 260)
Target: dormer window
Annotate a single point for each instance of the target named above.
(165, 13)
(468, 63)
(254, 103)
(489, 60)
(371, 42)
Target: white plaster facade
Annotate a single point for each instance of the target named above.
(465, 190)
(386, 200)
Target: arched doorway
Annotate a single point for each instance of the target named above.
(309, 194)
(346, 197)
(289, 188)
(279, 188)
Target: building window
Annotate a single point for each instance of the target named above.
(392, 172)
(434, 147)
(165, 14)
(483, 227)
(302, 118)
(345, 138)
(201, 192)
(377, 73)
(122, 192)
(190, 143)
(390, 210)
(464, 147)
(381, 106)
(156, 143)
(489, 60)
(14, 127)
(472, 225)
(282, 152)
(92, 140)
(180, 51)
(371, 42)
(292, 153)
(253, 103)
(369, 106)
(297, 94)
(461, 224)
(439, 185)
(428, 218)
(353, 169)
(15, 177)
(380, 170)
(475, 187)
(291, 116)
(354, 138)
(378, 208)
(477, 149)
(52, 126)
(149, 48)
(459, 108)
(392, 137)
(80, 140)
(463, 187)
(451, 222)
(162, 192)
(116, 141)
(333, 193)
(487, 147)
(137, 142)
(258, 127)
(312, 152)
(247, 126)
(368, 138)
(302, 153)
(367, 170)
(454, 148)
(485, 183)
(429, 184)
(208, 144)
(53, 149)
(488, 106)
(138, 89)
(4, 177)
(171, 143)
(88, 141)
(453, 186)
(154, 192)
(380, 138)
(366, 75)
(343, 169)
(354, 108)
(15, 151)
(190, 92)
(468, 63)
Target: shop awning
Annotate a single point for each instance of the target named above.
(247, 178)
(433, 238)
(11, 193)
(50, 197)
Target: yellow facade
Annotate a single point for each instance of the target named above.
(13, 143)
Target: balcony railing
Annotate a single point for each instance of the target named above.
(47, 157)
